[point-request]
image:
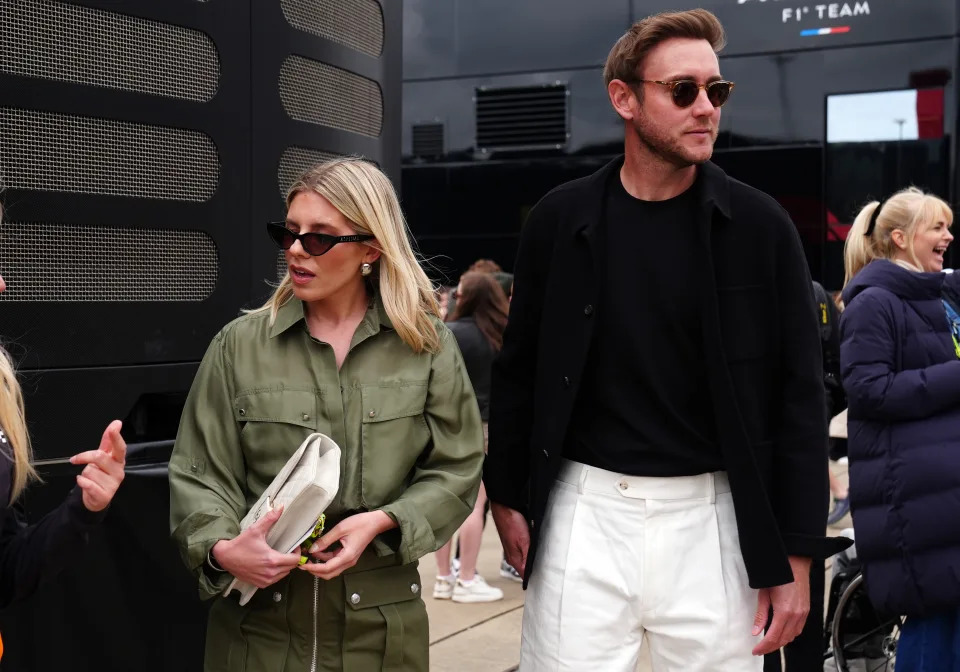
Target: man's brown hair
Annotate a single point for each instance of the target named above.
(627, 56)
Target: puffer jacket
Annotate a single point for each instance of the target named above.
(902, 378)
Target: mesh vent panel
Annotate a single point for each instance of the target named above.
(66, 263)
(318, 93)
(61, 152)
(357, 24)
(427, 140)
(295, 161)
(72, 43)
(522, 117)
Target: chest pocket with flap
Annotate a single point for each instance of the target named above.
(273, 424)
(394, 435)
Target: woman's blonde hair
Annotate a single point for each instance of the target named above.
(13, 422)
(907, 211)
(365, 196)
(14, 425)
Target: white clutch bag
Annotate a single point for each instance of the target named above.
(304, 488)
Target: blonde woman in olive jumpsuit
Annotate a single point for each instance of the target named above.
(349, 345)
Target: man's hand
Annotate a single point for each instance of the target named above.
(514, 535)
(791, 605)
(354, 534)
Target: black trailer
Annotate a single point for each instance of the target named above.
(144, 144)
(835, 103)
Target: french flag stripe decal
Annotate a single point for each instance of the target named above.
(824, 31)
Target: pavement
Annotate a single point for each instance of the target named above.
(486, 637)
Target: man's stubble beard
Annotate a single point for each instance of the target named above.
(668, 149)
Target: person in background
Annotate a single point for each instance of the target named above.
(349, 345)
(484, 266)
(806, 651)
(477, 324)
(829, 320)
(900, 362)
(31, 555)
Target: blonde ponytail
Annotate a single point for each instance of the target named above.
(14, 425)
(366, 198)
(857, 250)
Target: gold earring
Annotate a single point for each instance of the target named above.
(365, 269)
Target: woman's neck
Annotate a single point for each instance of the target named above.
(345, 306)
(903, 261)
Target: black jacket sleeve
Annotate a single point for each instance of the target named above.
(31, 555)
(506, 471)
(801, 493)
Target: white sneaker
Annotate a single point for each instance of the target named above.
(509, 573)
(475, 591)
(443, 587)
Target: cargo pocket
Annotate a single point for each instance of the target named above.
(385, 621)
(273, 424)
(394, 434)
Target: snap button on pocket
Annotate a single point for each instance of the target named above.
(306, 416)
(414, 588)
(372, 414)
(354, 599)
(243, 411)
(277, 597)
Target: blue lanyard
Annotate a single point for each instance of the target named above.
(954, 319)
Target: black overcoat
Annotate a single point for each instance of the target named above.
(763, 361)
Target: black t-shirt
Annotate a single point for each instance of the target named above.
(643, 407)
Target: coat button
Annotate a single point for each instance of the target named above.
(414, 588)
(588, 310)
(372, 414)
(306, 416)
(623, 485)
(277, 597)
(354, 599)
(566, 381)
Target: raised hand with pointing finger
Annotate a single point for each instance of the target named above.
(103, 474)
(31, 555)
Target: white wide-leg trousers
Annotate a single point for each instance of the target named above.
(624, 559)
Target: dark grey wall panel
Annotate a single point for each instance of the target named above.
(457, 38)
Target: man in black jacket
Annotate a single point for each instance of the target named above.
(657, 424)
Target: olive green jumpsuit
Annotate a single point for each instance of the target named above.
(409, 428)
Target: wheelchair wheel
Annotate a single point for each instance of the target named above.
(862, 640)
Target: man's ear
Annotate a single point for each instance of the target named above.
(623, 99)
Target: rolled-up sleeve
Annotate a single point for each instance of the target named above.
(206, 469)
(446, 478)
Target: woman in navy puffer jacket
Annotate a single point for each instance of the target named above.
(901, 370)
